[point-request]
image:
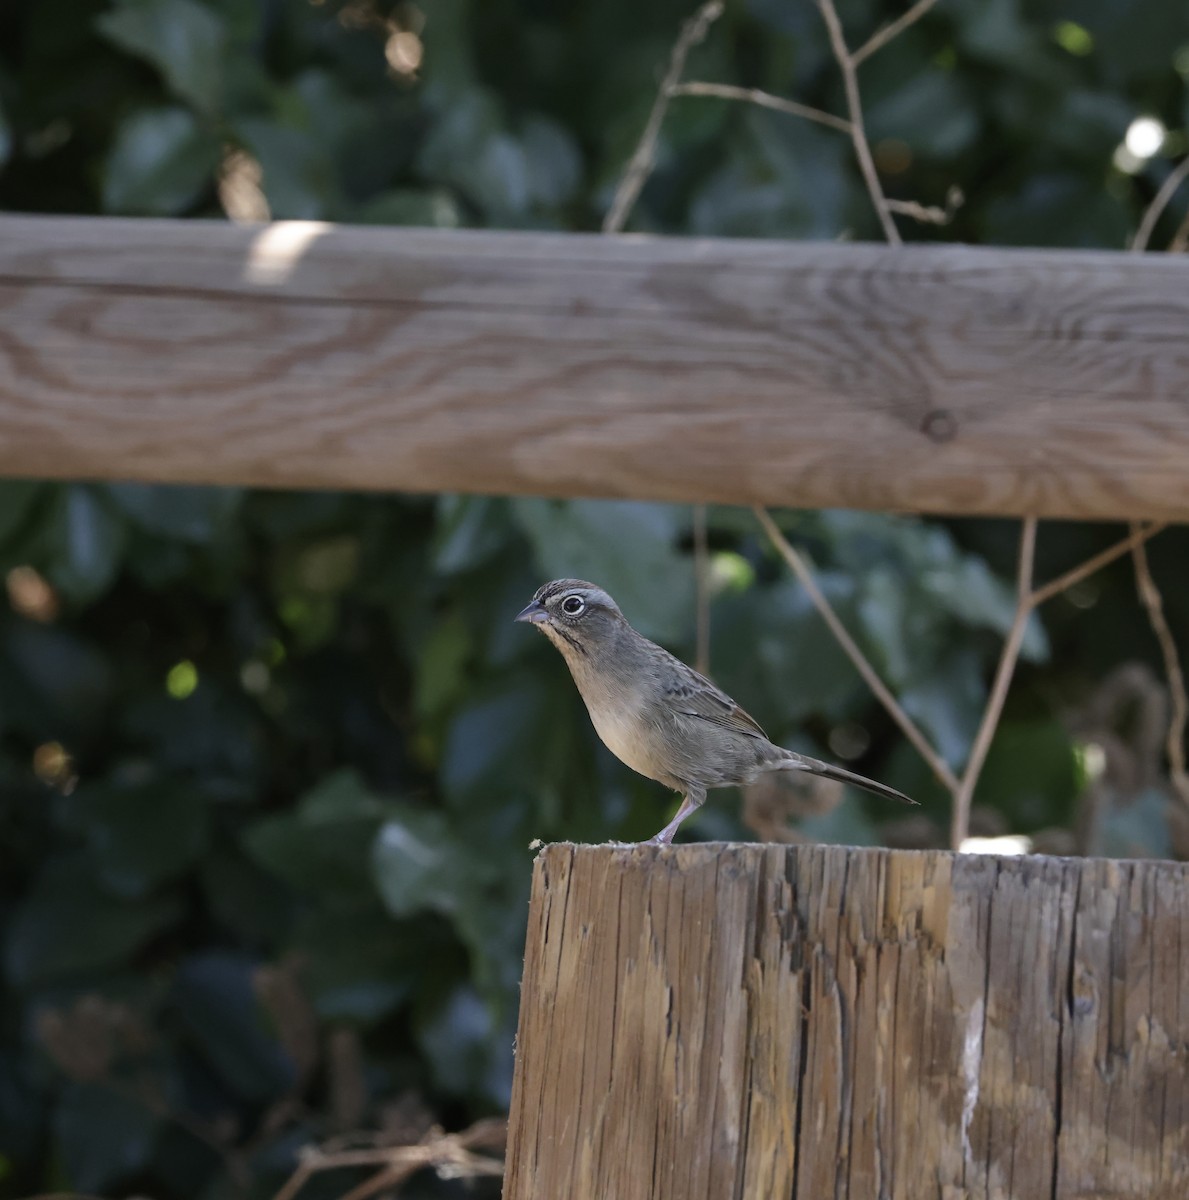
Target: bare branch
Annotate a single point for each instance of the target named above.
(804, 574)
(1149, 594)
(1155, 210)
(854, 110)
(642, 161)
(450, 1154)
(1180, 239)
(1003, 675)
(882, 37)
(1077, 574)
(931, 214)
(728, 91)
(702, 589)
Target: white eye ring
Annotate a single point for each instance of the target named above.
(572, 605)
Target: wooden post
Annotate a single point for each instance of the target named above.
(709, 1022)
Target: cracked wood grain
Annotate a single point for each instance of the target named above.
(940, 379)
(753, 1022)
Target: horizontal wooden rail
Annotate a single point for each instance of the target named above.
(941, 379)
(751, 1022)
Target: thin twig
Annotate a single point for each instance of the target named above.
(702, 589)
(1149, 594)
(879, 39)
(641, 163)
(1077, 574)
(804, 574)
(1155, 210)
(728, 91)
(1180, 239)
(452, 1153)
(1003, 675)
(930, 214)
(854, 110)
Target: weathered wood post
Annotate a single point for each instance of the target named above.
(800, 1022)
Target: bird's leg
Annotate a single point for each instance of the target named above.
(693, 799)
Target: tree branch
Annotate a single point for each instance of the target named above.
(804, 574)
(1155, 210)
(727, 91)
(854, 110)
(642, 161)
(960, 824)
(702, 589)
(1149, 594)
(882, 37)
(1077, 574)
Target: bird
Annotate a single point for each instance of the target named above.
(657, 715)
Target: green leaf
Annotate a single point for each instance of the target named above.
(626, 547)
(970, 592)
(360, 966)
(84, 540)
(1031, 774)
(552, 161)
(161, 161)
(139, 836)
(16, 499)
(441, 667)
(323, 846)
(491, 739)
(183, 39)
(5, 137)
(458, 1039)
(214, 998)
(1136, 829)
(417, 864)
(948, 702)
(846, 824)
(65, 925)
(412, 206)
(190, 514)
(1052, 209)
(469, 530)
(931, 112)
(247, 901)
(299, 177)
(103, 1136)
(778, 659)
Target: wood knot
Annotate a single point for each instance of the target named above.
(940, 425)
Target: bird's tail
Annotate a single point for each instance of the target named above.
(800, 762)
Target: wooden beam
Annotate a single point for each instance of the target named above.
(749, 1022)
(940, 379)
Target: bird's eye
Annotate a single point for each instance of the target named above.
(572, 606)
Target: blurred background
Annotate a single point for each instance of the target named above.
(270, 763)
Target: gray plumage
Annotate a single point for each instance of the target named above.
(654, 713)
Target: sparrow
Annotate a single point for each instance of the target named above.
(657, 715)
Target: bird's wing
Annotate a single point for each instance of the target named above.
(695, 696)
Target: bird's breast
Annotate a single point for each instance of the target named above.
(627, 733)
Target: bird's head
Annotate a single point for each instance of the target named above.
(579, 618)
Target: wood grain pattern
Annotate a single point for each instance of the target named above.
(753, 1022)
(943, 379)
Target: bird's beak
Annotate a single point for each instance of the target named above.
(534, 613)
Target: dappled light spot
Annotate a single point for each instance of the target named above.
(182, 679)
(403, 52)
(1073, 38)
(1011, 844)
(52, 764)
(276, 251)
(31, 595)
